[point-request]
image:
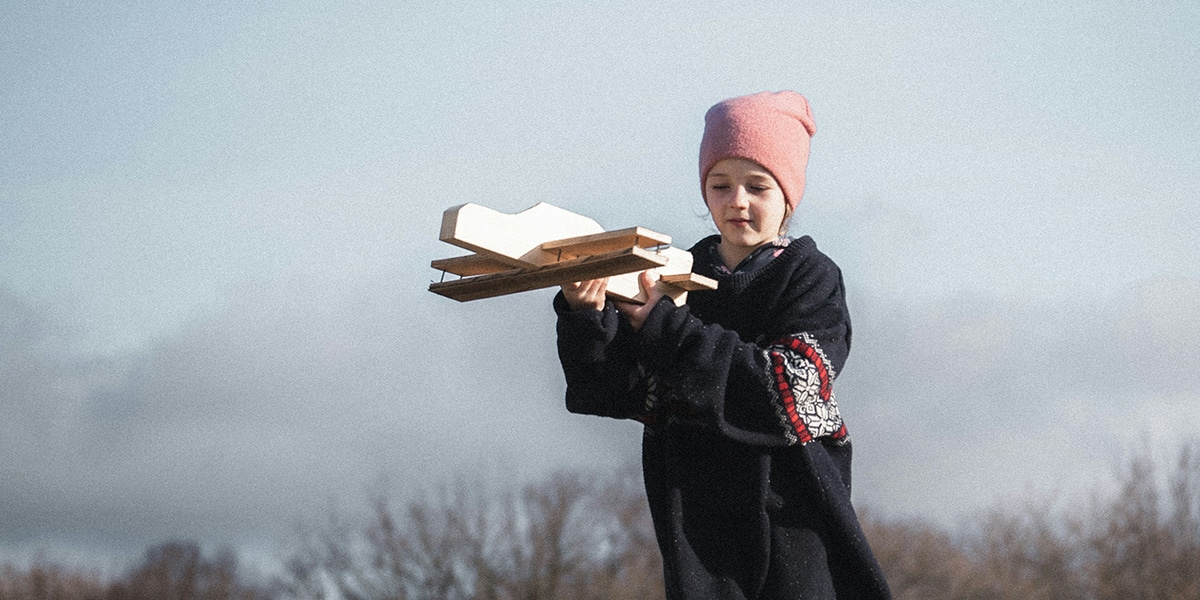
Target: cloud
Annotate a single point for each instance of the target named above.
(966, 402)
(250, 420)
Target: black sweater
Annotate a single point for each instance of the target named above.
(745, 456)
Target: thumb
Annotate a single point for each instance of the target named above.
(645, 281)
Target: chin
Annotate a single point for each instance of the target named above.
(749, 243)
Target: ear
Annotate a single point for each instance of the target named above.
(787, 219)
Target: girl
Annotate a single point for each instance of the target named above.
(745, 456)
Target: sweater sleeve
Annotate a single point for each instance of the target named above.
(773, 391)
(602, 374)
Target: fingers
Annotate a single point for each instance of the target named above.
(650, 287)
(585, 294)
(637, 313)
(595, 288)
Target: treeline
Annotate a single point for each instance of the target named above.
(174, 570)
(581, 537)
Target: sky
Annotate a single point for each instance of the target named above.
(217, 219)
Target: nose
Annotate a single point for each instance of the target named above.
(741, 198)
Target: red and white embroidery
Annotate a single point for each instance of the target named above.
(803, 376)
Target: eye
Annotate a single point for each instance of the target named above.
(718, 186)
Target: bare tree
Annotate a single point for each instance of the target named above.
(400, 557)
(922, 562)
(634, 567)
(1141, 542)
(1029, 552)
(45, 581)
(182, 571)
(567, 536)
(1146, 542)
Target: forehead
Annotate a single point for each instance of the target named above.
(741, 167)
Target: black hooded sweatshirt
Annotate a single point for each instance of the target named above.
(745, 456)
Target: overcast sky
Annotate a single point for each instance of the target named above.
(216, 222)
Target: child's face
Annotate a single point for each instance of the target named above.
(746, 203)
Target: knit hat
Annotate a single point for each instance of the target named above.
(769, 128)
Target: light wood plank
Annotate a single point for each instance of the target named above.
(471, 264)
(607, 242)
(690, 282)
(513, 239)
(627, 260)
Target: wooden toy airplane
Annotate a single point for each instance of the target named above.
(546, 246)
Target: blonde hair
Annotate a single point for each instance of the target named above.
(788, 211)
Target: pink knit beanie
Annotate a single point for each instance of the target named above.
(769, 128)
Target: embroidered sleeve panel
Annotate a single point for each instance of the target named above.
(803, 378)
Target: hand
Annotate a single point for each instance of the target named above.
(637, 313)
(586, 294)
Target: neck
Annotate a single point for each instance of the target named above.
(734, 255)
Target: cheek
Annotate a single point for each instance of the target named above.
(713, 202)
(778, 212)
(712, 216)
